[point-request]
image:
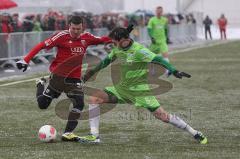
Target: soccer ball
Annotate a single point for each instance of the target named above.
(47, 133)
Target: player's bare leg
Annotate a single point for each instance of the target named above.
(176, 121)
(94, 116)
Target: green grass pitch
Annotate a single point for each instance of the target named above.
(209, 101)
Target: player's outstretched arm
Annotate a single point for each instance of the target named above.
(172, 71)
(104, 63)
(23, 64)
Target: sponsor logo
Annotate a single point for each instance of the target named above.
(77, 50)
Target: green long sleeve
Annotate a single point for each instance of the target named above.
(164, 63)
(150, 32)
(104, 63)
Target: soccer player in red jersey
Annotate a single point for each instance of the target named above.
(65, 70)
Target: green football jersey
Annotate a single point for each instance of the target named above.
(158, 26)
(131, 67)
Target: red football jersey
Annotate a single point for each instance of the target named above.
(70, 52)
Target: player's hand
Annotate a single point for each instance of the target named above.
(153, 40)
(180, 75)
(22, 65)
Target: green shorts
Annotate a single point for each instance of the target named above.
(149, 102)
(159, 47)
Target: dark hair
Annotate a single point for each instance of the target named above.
(119, 33)
(75, 19)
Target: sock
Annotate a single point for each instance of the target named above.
(178, 122)
(72, 122)
(94, 118)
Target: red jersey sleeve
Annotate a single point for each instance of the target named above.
(95, 40)
(34, 51)
(46, 44)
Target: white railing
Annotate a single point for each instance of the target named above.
(16, 45)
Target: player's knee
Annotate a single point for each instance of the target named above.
(161, 115)
(43, 102)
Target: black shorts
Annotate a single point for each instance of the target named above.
(59, 84)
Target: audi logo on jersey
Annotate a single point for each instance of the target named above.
(77, 50)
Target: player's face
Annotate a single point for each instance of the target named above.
(75, 30)
(159, 12)
(123, 43)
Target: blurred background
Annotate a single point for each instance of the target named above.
(24, 23)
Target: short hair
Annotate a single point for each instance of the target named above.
(75, 19)
(159, 7)
(119, 33)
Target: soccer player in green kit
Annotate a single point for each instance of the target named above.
(157, 30)
(133, 86)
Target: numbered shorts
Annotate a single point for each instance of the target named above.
(149, 102)
(159, 47)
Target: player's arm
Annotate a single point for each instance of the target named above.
(146, 55)
(23, 64)
(166, 32)
(150, 30)
(96, 40)
(161, 61)
(104, 63)
(47, 44)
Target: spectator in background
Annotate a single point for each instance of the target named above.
(61, 23)
(28, 23)
(207, 25)
(16, 24)
(44, 24)
(6, 26)
(222, 23)
(51, 23)
(37, 23)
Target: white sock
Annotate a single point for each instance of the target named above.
(178, 122)
(94, 118)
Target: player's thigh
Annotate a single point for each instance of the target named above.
(53, 90)
(149, 102)
(161, 114)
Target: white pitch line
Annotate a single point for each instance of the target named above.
(171, 52)
(21, 81)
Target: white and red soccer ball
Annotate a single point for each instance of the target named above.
(47, 133)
